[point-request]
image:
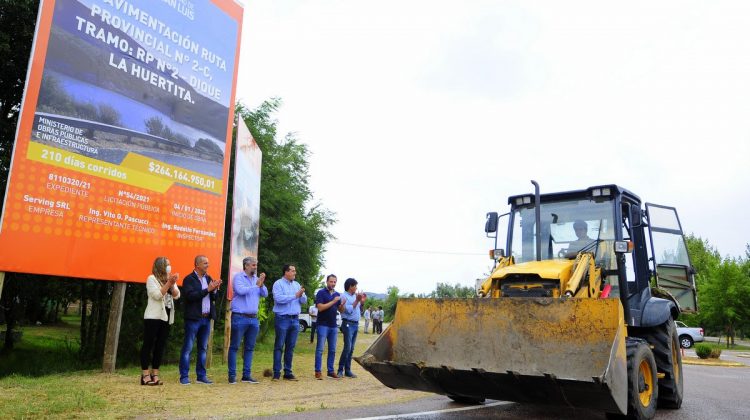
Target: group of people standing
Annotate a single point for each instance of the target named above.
(199, 291)
(328, 302)
(376, 315)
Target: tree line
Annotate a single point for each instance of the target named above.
(723, 284)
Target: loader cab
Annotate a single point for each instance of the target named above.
(619, 234)
(570, 222)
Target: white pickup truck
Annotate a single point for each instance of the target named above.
(305, 321)
(688, 335)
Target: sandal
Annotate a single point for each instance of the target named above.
(146, 382)
(155, 380)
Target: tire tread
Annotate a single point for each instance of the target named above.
(660, 337)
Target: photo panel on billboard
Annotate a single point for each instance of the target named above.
(246, 209)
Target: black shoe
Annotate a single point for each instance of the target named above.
(204, 381)
(276, 378)
(250, 380)
(290, 377)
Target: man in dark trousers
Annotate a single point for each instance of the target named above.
(199, 293)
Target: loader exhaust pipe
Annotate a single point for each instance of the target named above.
(538, 216)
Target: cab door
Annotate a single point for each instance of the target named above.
(674, 273)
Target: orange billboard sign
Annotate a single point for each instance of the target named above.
(122, 147)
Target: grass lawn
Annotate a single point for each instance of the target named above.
(45, 349)
(64, 391)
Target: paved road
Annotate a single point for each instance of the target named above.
(711, 392)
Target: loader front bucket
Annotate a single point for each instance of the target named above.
(568, 352)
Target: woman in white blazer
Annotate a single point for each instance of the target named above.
(162, 292)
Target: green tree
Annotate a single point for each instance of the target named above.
(704, 258)
(389, 306)
(725, 297)
(445, 290)
(17, 22)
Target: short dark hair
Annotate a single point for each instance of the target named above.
(286, 267)
(349, 283)
(331, 275)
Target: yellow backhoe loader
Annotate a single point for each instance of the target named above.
(569, 315)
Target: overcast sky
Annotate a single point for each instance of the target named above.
(421, 116)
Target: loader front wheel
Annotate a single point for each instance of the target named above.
(466, 400)
(642, 380)
(668, 358)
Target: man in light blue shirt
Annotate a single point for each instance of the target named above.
(349, 308)
(288, 297)
(248, 288)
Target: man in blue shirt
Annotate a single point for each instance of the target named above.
(326, 301)
(288, 297)
(248, 288)
(348, 307)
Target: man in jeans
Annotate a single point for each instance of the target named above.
(288, 297)
(199, 291)
(248, 288)
(326, 301)
(350, 301)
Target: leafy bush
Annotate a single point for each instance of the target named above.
(703, 351)
(715, 353)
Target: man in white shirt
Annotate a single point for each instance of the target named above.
(313, 311)
(368, 316)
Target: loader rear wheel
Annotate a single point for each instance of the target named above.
(668, 358)
(466, 400)
(642, 380)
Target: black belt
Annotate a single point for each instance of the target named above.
(288, 316)
(245, 315)
(350, 321)
(206, 315)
